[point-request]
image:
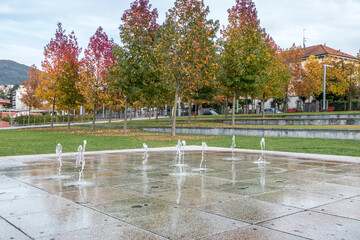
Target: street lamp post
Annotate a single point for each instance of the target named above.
(324, 93)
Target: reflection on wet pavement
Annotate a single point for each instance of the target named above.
(233, 198)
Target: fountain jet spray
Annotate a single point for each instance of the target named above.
(233, 145)
(146, 155)
(81, 160)
(262, 159)
(59, 158)
(204, 146)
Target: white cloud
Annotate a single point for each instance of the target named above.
(30, 25)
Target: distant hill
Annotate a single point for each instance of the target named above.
(12, 72)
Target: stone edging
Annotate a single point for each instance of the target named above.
(308, 156)
(265, 132)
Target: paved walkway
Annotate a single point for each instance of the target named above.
(133, 195)
(72, 124)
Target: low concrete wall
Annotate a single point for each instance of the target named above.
(265, 132)
(328, 121)
(324, 116)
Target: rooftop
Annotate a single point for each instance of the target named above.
(4, 101)
(323, 50)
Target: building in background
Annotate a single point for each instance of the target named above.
(16, 99)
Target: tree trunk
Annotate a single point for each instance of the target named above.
(68, 118)
(189, 117)
(262, 107)
(233, 111)
(29, 116)
(226, 107)
(196, 109)
(149, 112)
(110, 112)
(156, 113)
(130, 114)
(94, 118)
(350, 103)
(173, 126)
(285, 108)
(52, 115)
(170, 112)
(125, 117)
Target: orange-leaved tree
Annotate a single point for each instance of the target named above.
(274, 78)
(54, 53)
(31, 85)
(293, 59)
(337, 77)
(311, 82)
(69, 93)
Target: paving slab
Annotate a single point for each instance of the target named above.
(96, 195)
(356, 198)
(278, 182)
(315, 225)
(134, 207)
(186, 223)
(252, 233)
(20, 206)
(245, 188)
(249, 210)
(234, 175)
(346, 180)
(195, 197)
(125, 179)
(297, 199)
(6, 183)
(311, 175)
(330, 189)
(109, 232)
(201, 181)
(58, 219)
(349, 208)
(149, 188)
(22, 191)
(7, 231)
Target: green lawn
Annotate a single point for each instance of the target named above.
(41, 141)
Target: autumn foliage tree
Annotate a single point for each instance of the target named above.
(293, 60)
(274, 78)
(337, 77)
(69, 77)
(311, 82)
(245, 51)
(55, 53)
(137, 67)
(188, 49)
(96, 64)
(31, 86)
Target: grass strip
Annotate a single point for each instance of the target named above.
(42, 141)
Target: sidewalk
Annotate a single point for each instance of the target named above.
(72, 124)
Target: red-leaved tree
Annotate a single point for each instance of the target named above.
(98, 59)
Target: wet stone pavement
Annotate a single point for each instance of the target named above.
(120, 197)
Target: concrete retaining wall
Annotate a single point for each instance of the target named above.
(264, 132)
(328, 121)
(323, 116)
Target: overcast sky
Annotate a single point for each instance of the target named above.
(26, 26)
